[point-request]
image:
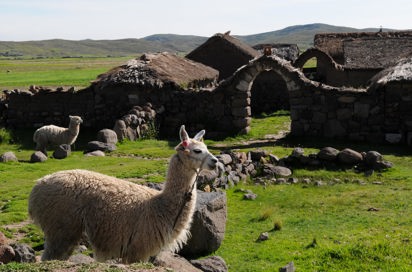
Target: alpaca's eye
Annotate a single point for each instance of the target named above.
(197, 151)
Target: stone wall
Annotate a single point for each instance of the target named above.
(316, 109)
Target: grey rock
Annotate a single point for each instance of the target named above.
(211, 264)
(96, 153)
(250, 196)
(263, 236)
(328, 153)
(281, 171)
(297, 152)
(8, 156)
(38, 156)
(225, 159)
(174, 261)
(208, 225)
(290, 267)
(62, 152)
(107, 136)
(349, 156)
(24, 253)
(97, 145)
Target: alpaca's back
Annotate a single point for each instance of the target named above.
(68, 203)
(48, 134)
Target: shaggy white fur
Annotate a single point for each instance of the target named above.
(54, 135)
(121, 219)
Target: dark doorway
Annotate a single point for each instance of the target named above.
(269, 93)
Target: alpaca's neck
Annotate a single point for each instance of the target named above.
(73, 129)
(179, 179)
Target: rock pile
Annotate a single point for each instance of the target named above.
(261, 166)
(136, 124)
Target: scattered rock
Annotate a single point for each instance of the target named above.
(62, 152)
(263, 237)
(174, 261)
(211, 264)
(290, 267)
(328, 154)
(107, 136)
(349, 156)
(24, 253)
(8, 156)
(38, 156)
(249, 196)
(96, 153)
(97, 145)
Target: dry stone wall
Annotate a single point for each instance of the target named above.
(316, 109)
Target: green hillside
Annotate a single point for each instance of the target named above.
(298, 34)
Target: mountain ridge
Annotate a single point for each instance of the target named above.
(302, 35)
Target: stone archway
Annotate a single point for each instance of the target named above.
(242, 82)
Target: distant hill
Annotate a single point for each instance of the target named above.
(183, 44)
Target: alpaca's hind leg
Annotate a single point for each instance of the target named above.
(60, 245)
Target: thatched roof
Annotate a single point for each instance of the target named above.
(158, 70)
(365, 49)
(401, 72)
(224, 53)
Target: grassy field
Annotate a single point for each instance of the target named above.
(65, 72)
(352, 223)
(322, 228)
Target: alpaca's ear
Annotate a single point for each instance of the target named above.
(199, 135)
(183, 134)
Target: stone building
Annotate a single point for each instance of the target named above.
(186, 92)
(227, 54)
(352, 59)
(223, 52)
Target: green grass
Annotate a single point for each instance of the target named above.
(77, 72)
(348, 236)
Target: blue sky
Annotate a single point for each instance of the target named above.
(24, 20)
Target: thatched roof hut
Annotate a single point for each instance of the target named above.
(224, 53)
(365, 49)
(160, 70)
(401, 72)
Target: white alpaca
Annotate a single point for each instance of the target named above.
(54, 135)
(120, 219)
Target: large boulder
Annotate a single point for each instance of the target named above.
(62, 151)
(328, 154)
(208, 226)
(107, 136)
(349, 156)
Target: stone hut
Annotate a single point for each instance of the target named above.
(394, 85)
(223, 52)
(355, 57)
